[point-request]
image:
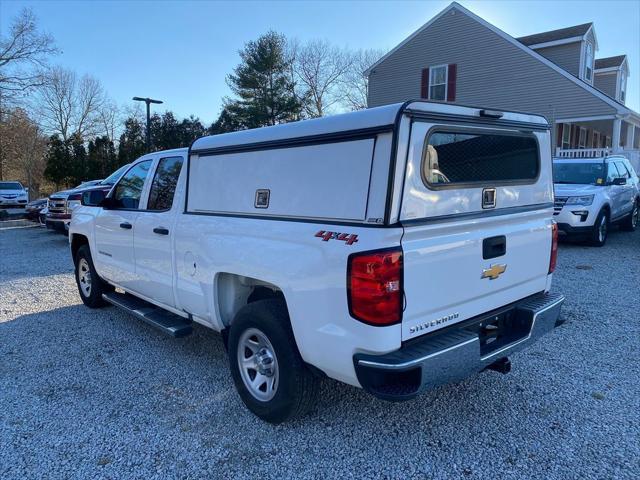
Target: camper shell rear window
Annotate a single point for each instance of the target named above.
(456, 158)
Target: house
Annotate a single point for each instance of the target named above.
(459, 57)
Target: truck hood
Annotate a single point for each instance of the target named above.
(65, 193)
(573, 190)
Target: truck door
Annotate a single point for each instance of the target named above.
(153, 235)
(114, 258)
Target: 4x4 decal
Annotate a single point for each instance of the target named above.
(348, 238)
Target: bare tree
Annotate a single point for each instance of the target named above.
(68, 106)
(319, 69)
(23, 149)
(23, 54)
(109, 118)
(354, 87)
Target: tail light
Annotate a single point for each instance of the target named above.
(554, 247)
(374, 286)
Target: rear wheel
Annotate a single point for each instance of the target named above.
(631, 222)
(90, 285)
(600, 229)
(268, 372)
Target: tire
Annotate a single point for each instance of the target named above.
(600, 230)
(631, 222)
(261, 335)
(90, 285)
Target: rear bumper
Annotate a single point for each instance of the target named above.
(566, 230)
(458, 351)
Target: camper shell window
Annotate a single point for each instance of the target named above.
(455, 158)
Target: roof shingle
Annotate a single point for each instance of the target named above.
(609, 62)
(568, 32)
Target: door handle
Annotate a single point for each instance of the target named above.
(494, 247)
(126, 226)
(161, 231)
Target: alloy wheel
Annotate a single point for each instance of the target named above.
(602, 229)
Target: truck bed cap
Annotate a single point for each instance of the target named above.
(369, 119)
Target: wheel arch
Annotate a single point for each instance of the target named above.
(233, 291)
(77, 240)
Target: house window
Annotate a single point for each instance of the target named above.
(607, 141)
(596, 139)
(438, 82)
(588, 62)
(623, 85)
(582, 138)
(566, 135)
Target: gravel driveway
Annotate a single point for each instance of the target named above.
(99, 394)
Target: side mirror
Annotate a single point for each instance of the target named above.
(93, 198)
(619, 181)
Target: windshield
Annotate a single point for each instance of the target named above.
(582, 173)
(10, 186)
(115, 176)
(90, 183)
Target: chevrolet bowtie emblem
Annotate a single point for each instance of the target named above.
(494, 271)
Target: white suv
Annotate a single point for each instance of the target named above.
(593, 193)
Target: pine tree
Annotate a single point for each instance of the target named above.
(58, 169)
(79, 171)
(132, 142)
(263, 85)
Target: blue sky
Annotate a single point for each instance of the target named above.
(181, 51)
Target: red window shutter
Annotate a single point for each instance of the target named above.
(451, 82)
(559, 140)
(424, 85)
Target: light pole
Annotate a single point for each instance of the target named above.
(148, 101)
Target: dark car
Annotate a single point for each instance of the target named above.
(61, 204)
(33, 209)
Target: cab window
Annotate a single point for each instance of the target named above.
(623, 170)
(129, 189)
(612, 172)
(164, 184)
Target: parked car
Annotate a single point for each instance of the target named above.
(61, 204)
(593, 193)
(42, 217)
(33, 209)
(329, 247)
(13, 194)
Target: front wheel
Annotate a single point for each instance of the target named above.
(268, 372)
(90, 285)
(600, 229)
(631, 222)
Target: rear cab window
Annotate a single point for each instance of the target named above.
(164, 184)
(458, 159)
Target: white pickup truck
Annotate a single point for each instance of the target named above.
(394, 249)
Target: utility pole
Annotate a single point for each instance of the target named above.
(148, 101)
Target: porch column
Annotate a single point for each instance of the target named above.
(631, 129)
(615, 138)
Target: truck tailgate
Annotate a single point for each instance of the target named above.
(447, 278)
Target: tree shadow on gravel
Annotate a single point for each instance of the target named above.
(33, 252)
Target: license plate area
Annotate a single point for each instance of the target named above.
(501, 329)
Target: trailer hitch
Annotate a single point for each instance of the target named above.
(503, 365)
